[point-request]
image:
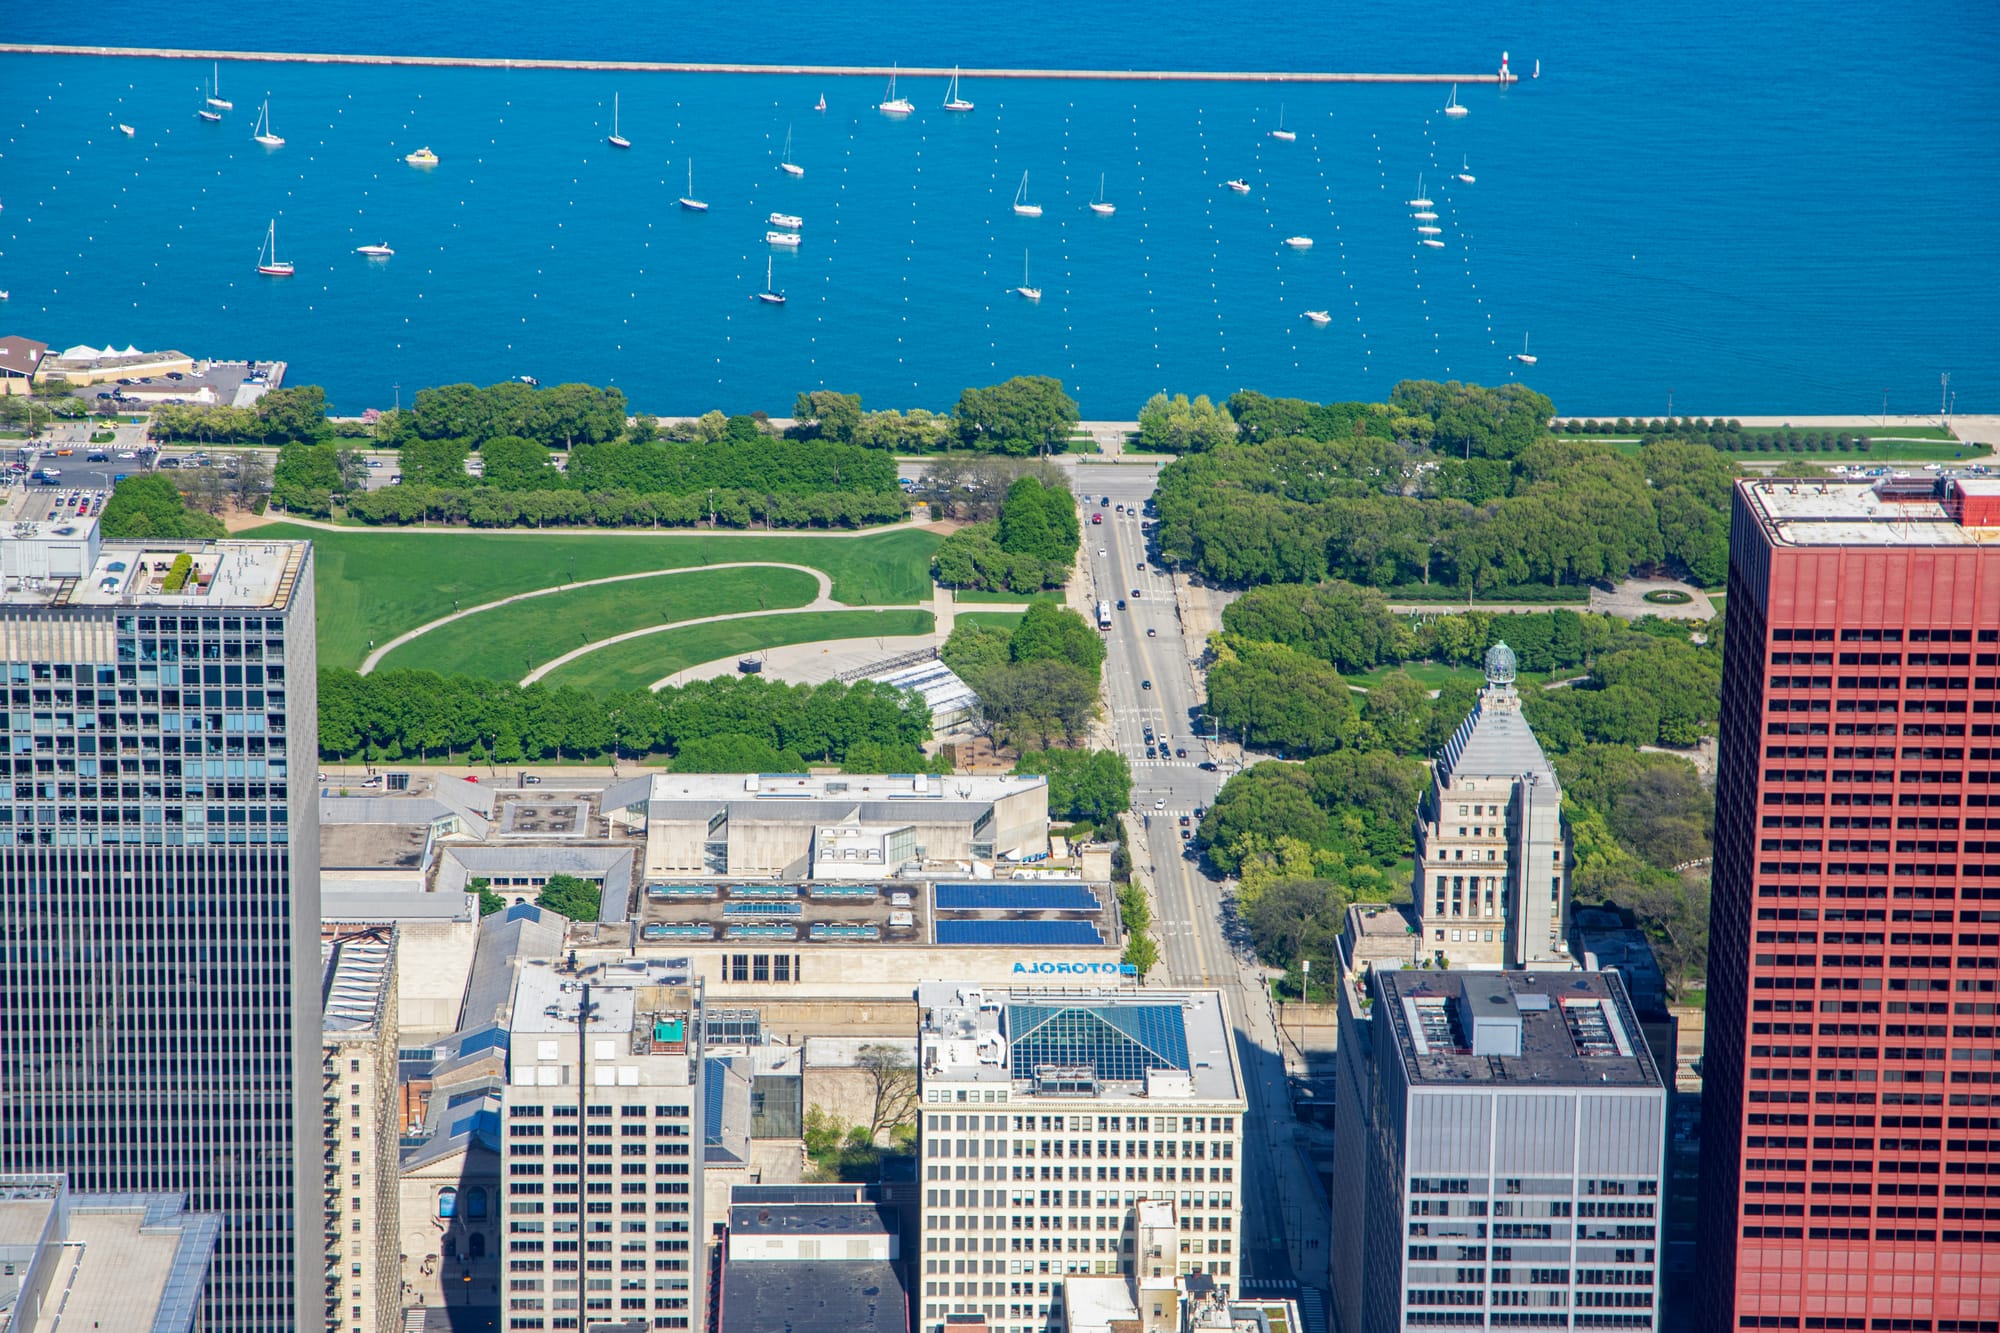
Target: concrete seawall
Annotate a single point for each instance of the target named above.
(674, 67)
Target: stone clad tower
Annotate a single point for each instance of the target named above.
(1492, 864)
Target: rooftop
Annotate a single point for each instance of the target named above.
(1519, 1029)
(1019, 907)
(1093, 1304)
(822, 794)
(1923, 509)
(1495, 740)
(1080, 1043)
(851, 1296)
(135, 1261)
(809, 1219)
(357, 971)
(75, 567)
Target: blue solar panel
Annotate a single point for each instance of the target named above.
(1016, 896)
(1017, 932)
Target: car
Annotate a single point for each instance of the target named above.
(170, 462)
(1206, 766)
(1142, 566)
(1097, 518)
(1187, 835)
(1152, 633)
(1121, 603)
(1184, 821)
(1145, 684)
(98, 457)
(1106, 500)
(1160, 803)
(64, 452)
(175, 375)
(1101, 551)
(1121, 509)
(531, 780)
(1137, 593)
(374, 462)
(127, 453)
(1180, 752)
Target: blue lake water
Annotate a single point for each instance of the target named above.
(1781, 211)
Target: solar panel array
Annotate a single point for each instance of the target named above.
(1016, 896)
(1119, 1041)
(990, 932)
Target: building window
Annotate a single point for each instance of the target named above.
(447, 1203)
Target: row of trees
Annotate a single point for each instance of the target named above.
(1387, 513)
(1028, 414)
(282, 416)
(706, 726)
(561, 416)
(1091, 787)
(612, 508)
(1032, 545)
(1037, 682)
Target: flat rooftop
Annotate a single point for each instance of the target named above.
(850, 1296)
(839, 790)
(141, 1266)
(1073, 1043)
(1921, 509)
(1029, 909)
(1529, 1030)
(808, 1219)
(545, 1000)
(226, 575)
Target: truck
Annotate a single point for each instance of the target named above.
(1104, 615)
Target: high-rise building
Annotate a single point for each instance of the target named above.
(1492, 869)
(360, 1182)
(1513, 1173)
(1073, 1132)
(1850, 1102)
(159, 894)
(605, 1113)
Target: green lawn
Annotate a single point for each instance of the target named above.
(508, 641)
(1430, 675)
(637, 663)
(968, 597)
(1004, 619)
(373, 585)
(1920, 444)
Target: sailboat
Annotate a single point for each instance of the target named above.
(894, 105)
(785, 163)
(1281, 132)
(1021, 206)
(268, 262)
(688, 201)
(379, 250)
(1425, 215)
(952, 101)
(770, 295)
(1524, 356)
(206, 112)
(616, 140)
(1465, 171)
(263, 133)
(1433, 242)
(1100, 205)
(1027, 289)
(1420, 201)
(1451, 106)
(821, 104)
(1430, 231)
(215, 97)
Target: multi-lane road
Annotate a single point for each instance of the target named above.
(1152, 679)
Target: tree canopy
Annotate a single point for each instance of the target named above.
(149, 505)
(1024, 415)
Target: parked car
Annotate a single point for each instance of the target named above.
(1206, 766)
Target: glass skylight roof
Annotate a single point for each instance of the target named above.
(1119, 1041)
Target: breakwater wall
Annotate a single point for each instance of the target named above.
(709, 67)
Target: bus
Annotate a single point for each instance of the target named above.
(1104, 615)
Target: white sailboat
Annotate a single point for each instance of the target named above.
(1433, 242)
(1525, 357)
(1420, 201)
(1021, 205)
(785, 163)
(1299, 242)
(1027, 289)
(770, 295)
(215, 97)
(204, 111)
(688, 201)
(893, 105)
(1465, 171)
(1100, 205)
(616, 140)
(1451, 106)
(952, 101)
(1425, 215)
(1430, 231)
(821, 104)
(380, 250)
(263, 134)
(787, 221)
(268, 262)
(1281, 133)
(1319, 316)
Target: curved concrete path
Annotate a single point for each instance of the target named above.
(817, 604)
(807, 663)
(823, 601)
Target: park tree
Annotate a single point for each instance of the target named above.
(828, 415)
(296, 415)
(1050, 631)
(1024, 415)
(1275, 697)
(974, 649)
(512, 463)
(1178, 426)
(1087, 786)
(1039, 519)
(148, 505)
(434, 462)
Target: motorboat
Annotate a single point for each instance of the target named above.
(1299, 242)
(423, 157)
(377, 251)
(788, 240)
(1239, 185)
(786, 221)
(1319, 316)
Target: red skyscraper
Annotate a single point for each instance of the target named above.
(1850, 1172)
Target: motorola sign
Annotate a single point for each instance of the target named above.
(1076, 969)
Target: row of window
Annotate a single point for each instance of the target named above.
(1057, 1124)
(1796, 635)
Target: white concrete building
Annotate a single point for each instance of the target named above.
(1086, 1132)
(602, 1156)
(1492, 863)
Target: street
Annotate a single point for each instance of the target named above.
(1284, 1213)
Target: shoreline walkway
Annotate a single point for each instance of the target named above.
(701, 67)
